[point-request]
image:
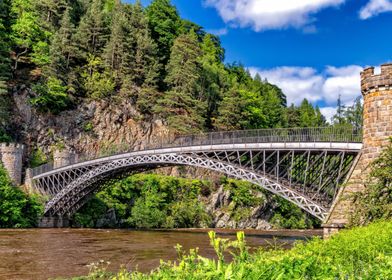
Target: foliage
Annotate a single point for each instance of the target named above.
(52, 96)
(290, 216)
(359, 253)
(349, 116)
(37, 158)
(94, 209)
(17, 209)
(305, 115)
(152, 201)
(375, 202)
(170, 68)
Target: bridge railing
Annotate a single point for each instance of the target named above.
(278, 135)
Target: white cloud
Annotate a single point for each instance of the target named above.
(328, 113)
(318, 87)
(375, 7)
(344, 81)
(218, 32)
(270, 14)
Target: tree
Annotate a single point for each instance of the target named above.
(182, 105)
(92, 33)
(52, 96)
(97, 80)
(17, 209)
(165, 25)
(26, 31)
(62, 49)
(4, 52)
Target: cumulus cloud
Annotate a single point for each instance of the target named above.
(375, 7)
(321, 87)
(268, 14)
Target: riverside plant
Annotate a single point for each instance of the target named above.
(359, 253)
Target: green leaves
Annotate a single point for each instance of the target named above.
(17, 209)
(52, 96)
(375, 202)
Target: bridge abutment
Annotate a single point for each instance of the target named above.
(377, 129)
(53, 222)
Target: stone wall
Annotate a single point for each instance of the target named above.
(377, 128)
(63, 158)
(11, 156)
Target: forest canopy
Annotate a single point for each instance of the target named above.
(170, 68)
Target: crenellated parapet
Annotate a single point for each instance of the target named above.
(371, 82)
(63, 157)
(11, 156)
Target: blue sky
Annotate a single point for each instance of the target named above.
(310, 48)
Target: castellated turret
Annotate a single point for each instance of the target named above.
(377, 115)
(11, 156)
(377, 129)
(63, 158)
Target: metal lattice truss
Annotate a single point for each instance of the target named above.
(309, 178)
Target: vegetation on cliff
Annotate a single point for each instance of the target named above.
(17, 209)
(157, 201)
(72, 51)
(359, 253)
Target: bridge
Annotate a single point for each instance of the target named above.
(306, 166)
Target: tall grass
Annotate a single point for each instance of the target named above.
(359, 253)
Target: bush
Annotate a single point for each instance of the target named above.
(52, 96)
(37, 158)
(17, 209)
(375, 203)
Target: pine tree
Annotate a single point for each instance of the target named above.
(62, 49)
(182, 105)
(92, 33)
(26, 31)
(213, 79)
(165, 25)
(116, 48)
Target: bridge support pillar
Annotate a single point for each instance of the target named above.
(377, 128)
(53, 222)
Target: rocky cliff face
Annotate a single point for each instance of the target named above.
(88, 128)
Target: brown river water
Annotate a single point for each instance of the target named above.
(51, 253)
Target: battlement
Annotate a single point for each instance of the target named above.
(11, 148)
(371, 82)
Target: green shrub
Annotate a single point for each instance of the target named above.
(52, 96)
(94, 209)
(37, 158)
(17, 209)
(375, 202)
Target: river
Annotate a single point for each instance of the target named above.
(51, 253)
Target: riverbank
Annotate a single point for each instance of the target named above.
(359, 253)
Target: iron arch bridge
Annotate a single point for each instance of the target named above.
(304, 166)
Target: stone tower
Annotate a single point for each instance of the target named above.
(377, 128)
(63, 158)
(12, 158)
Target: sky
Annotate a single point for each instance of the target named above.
(312, 49)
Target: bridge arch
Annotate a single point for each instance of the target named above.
(71, 198)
